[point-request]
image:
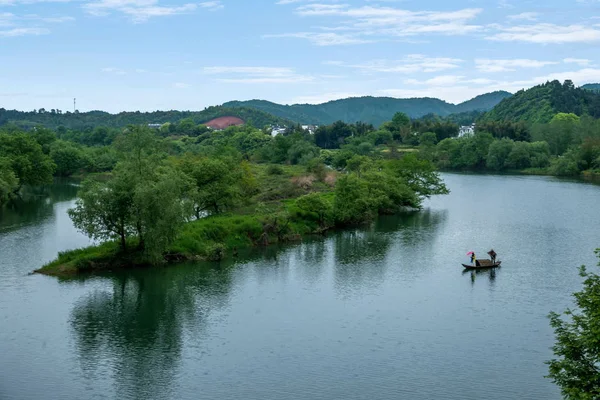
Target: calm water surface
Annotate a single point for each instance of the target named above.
(380, 313)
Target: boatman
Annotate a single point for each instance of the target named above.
(492, 254)
(473, 258)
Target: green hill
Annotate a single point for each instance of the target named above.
(592, 86)
(540, 103)
(483, 102)
(373, 110)
(81, 121)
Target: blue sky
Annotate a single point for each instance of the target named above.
(130, 55)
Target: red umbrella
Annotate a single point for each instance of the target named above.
(469, 253)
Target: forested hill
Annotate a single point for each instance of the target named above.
(540, 103)
(373, 110)
(592, 86)
(79, 121)
(483, 102)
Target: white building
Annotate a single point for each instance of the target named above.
(466, 130)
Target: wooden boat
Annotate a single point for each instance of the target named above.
(482, 264)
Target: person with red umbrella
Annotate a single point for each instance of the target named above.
(473, 258)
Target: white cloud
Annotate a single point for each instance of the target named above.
(14, 32)
(7, 19)
(442, 80)
(322, 97)
(376, 23)
(488, 65)
(212, 5)
(181, 85)
(526, 16)
(243, 74)
(454, 89)
(50, 20)
(544, 33)
(580, 61)
(412, 63)
(16, 2)
(138, 10)
(323, 39)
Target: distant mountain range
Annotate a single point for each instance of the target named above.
(535, 105)
(373, 110)
(87, 120)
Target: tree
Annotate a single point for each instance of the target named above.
(420, 175)
(9, 182)
(352, 204)
(103, 211)
(215, 183)
(399, 126)
(317, 205)
(27, 160)
(67, 157)
(428, 139)
(576, 368)
(498, 153)
(519, 156)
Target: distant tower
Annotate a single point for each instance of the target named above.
(74, 105)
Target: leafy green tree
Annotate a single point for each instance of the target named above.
(186, 127)
(27, 160)
(317, 205)
(144, 198)
(352, 204)
(540, 154)
(45, 137)
(159, 209)
(380, 137)
(104, 210)
(68, 157)
(9, 183)
(215, 184)
(576, 368)
(302, 152)
(428, 139)
(100, 159)
(447, 153)
(519, 156)
(359, 164)
(565, 165)
(498, 153)
(420, 175)
(399, 126)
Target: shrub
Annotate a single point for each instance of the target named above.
(275, 170)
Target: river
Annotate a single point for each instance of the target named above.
(384, 312)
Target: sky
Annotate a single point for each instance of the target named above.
(128, 55)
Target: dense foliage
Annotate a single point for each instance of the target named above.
(370, 110)
(540, 103)
(567, 145)
(163, 191)
(86, 121)
(576, 368)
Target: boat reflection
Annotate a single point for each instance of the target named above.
(482, 273)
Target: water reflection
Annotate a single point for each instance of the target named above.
(133, 331)
(475, 275)
(36, 204)
(362, 257)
